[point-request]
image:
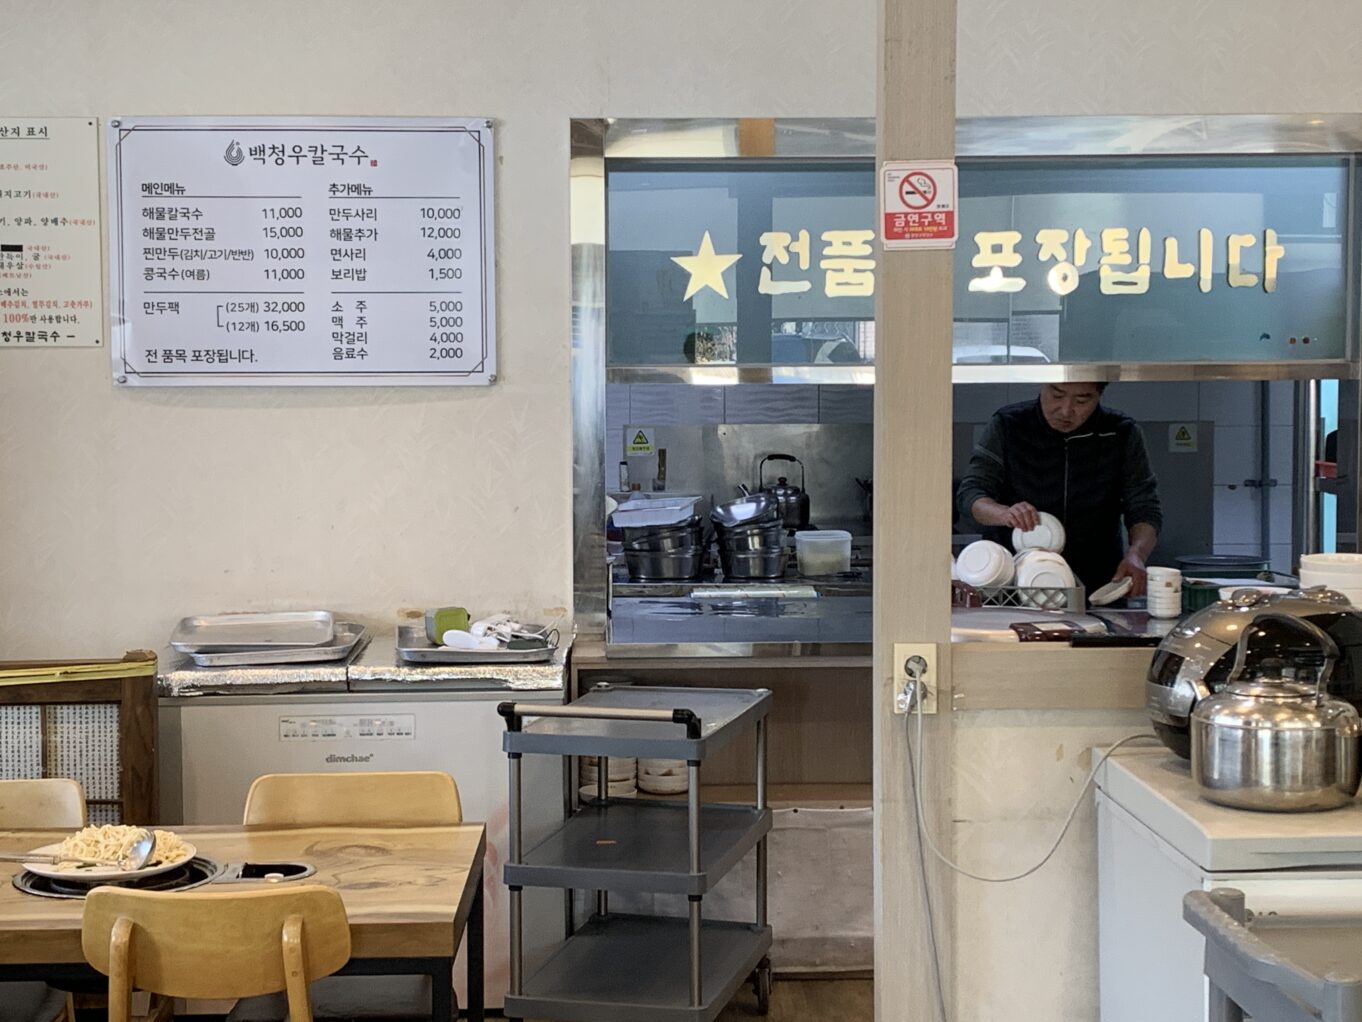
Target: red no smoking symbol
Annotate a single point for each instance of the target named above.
(917, 189)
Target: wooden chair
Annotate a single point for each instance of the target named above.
(395, 799)
(31, 805)
(215, 946)
(406, 799)
(55, 802)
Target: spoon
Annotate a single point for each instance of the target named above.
(136, 858)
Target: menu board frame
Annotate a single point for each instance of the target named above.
(200, 358)
(50, 162)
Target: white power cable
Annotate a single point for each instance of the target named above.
(925, 839)
(1063, 831)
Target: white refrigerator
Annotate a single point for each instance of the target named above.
(1157, 839)
(213, 746)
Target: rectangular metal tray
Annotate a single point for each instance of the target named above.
(414, 647)
(348, 634)
(223, 633)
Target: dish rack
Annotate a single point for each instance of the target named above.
(619, 967)
(1073, 600)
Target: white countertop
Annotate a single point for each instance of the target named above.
(1157, 788)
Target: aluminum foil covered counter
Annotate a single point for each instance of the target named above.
(180, 677)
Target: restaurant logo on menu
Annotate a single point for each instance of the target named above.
(1125, 261)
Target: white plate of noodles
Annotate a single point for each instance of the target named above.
(110, 842)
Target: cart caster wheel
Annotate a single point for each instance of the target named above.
(761, 983)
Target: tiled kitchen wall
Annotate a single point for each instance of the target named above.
(1231, 405)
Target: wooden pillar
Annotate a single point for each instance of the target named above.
(915, 120)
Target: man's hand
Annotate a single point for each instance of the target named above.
(1022, 516)
(1132, 566)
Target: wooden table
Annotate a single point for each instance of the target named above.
(410, 894)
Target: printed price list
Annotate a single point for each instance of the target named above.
(292, 251)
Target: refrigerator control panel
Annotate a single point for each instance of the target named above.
(331, 728)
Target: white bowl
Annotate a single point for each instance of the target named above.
(1332, 564)
(1045, 570)
(1047, 535)
(985, 563)
(1351, 588)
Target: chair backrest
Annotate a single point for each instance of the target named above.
(215, 946)
(405, 799)
(41, 803)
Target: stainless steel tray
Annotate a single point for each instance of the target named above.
(414, 647)
(225, 633)
(348, 635)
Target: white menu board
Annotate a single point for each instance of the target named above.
(51, 279)
(313, 251)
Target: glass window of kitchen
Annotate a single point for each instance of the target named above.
(1076, 260)
(1206, 259)
(740, 262)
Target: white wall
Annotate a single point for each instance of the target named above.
(121, 511)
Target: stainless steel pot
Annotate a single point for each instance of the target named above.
(1273, 743)
(670, 537)
(665, 566)
(792, 500)
(754, 564)
(770, 537)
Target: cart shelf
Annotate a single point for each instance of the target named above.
(690, 723)
(623, 968)
(641, 846)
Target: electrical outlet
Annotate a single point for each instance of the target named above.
(914, 665)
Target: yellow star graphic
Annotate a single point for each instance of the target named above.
(706, 268)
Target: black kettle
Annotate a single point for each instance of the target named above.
(792, 500)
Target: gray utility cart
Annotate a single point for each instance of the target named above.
(636, 968)
(1277, 968)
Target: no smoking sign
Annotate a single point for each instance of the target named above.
(917, 204)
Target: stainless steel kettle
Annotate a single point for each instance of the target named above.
(1274, 743)
(793, 500)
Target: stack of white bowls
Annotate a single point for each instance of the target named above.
(1164, 595)
(1039, 570)
(663, 776)
(623, 780)
(1339, 572)
(1041, 566)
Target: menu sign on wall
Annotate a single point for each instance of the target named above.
(313, 251)
(51, 285)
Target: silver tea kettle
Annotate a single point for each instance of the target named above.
(1272, 743)
(793, 500)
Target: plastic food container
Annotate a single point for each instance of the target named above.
(823, 551)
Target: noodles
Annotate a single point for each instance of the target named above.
(114, 843)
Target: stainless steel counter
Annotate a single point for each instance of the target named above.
(375, 668)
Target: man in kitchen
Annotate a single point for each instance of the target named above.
(1084, 463)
